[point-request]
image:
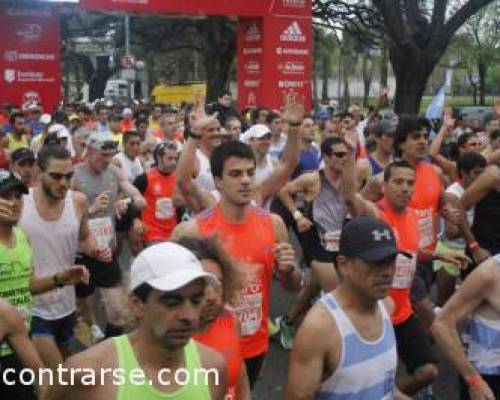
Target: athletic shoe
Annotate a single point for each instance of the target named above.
(272, 327)
(96, 334)
(287, 333)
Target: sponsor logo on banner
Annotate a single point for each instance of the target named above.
(291, 84)
(27, 12)
(32, 97)
(252, 50)
(9, 75)
(293, 34)
(292, 67)
(292, 52)
(294, 3)
(13, 55)
(29, 32)
(251, 83)
(251, 99)
(252, 34)
(252, 67)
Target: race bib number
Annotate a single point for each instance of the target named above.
(249, 306)
(102, 229)
(331, 241)
(164, 208)
(425, 227)
(405, 269)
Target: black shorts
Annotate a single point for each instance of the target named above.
(314, 250)
(18, 390)
(124, 223)
(414, 344)
(102, 275)
(254, 367)
(62, 330)
(422, 282)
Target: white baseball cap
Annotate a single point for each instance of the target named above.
(256, 132)
(166, 266)
(45, 119)
(127, 111)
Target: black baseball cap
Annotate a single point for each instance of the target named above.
(369, 239)
(9, 181)
(21, 154)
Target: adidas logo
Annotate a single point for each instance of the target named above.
(252, 34)
(293, 33)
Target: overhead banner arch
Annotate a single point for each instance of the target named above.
(274, 46)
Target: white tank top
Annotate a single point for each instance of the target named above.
(54, 246)
(367, 370)
(204, 178)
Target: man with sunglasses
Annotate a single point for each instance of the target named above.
(318, 228)
(102, 183)
(55, 219)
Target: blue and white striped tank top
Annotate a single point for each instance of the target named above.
(367, 370)
(484, 342)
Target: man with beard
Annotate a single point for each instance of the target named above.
(19, 135)
(167, 289)
(158, 188)
(56, 220)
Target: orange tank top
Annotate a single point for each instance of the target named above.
(223, 337)
(405, 228)
(250, 242)
(425, 202)
(159, 217)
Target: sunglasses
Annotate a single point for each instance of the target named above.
(57, 176)
(339, 154)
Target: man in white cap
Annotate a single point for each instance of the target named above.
(259, 138)
(167, 285)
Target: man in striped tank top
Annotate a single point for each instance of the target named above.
(479, 299)
(356, 356)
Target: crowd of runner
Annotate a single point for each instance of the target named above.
(145, 237)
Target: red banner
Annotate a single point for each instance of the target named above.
(29, 56)
(246, 8)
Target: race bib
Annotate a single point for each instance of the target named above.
(102, 230)
(331, 240)
(405, 269)
(249, 305)
(164, 208)
(425, 227)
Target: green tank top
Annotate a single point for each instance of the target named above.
(15, 276)
(191, 391)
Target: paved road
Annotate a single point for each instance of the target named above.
(273, 380)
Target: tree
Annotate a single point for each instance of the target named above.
(418, 31)
(483, 33)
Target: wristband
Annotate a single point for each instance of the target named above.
(57, 282)
(296, 215)
(294, 124)
(473, 245)
(474, 380)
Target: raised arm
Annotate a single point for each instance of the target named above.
(293, 115)
(449, 167)
(488, 180)
(475, 290)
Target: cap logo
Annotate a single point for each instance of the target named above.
(378, 236)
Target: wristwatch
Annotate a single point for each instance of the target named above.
(57, 282)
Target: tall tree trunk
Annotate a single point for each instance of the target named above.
(325, 76)
(367, 78)
(482, 68)
(383, 65)
(474, 87)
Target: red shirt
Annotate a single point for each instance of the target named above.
(223, 337)
(405, 228)
(425, 202)
(250, 242)
(159, 217)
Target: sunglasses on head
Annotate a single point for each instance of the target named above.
(59, 176)
(108, 146)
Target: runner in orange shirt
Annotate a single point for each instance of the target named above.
(253, 236)
(414, 343)
(219, 328)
